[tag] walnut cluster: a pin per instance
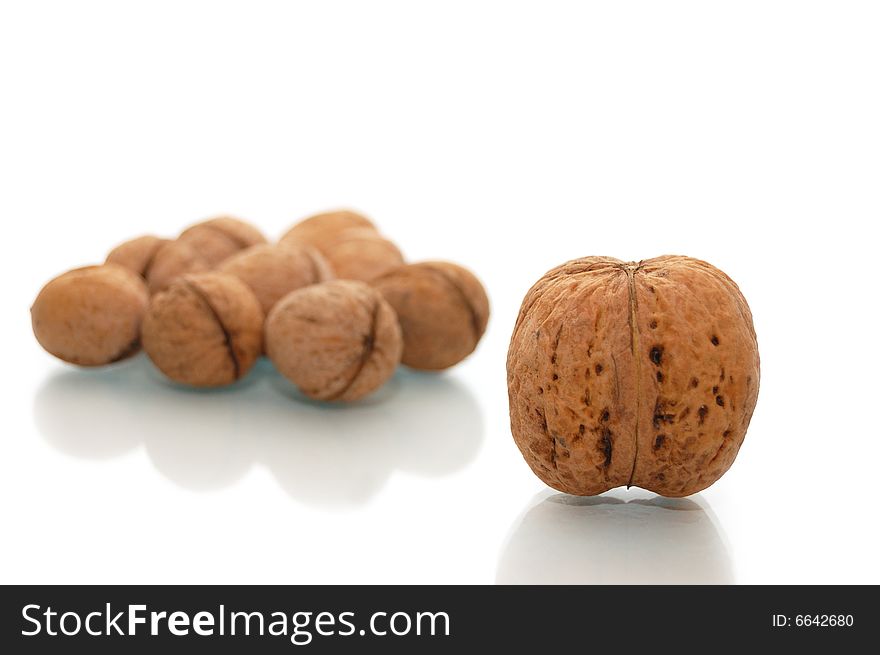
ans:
(332, 304)
(639, 374)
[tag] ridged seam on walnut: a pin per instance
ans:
(227, 337)
(635, 348)
(460, 294)
(369, 346)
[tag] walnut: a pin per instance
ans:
(218, 238)
(137, 254)
(172, 260)
(199, 248)
(273, 271)
(321, 229)
(640, 374)
(336, 341)
(443, 312)
(349, 242)
(361, 254)
(91, 316)
(205, 330)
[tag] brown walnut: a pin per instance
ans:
(320, 229)
(91, 316)
(137, 254)
(205, 330)
(336, 341)
(640, 374)
(350, 242)
(172, 260)
(443, 312)
(361, 254)
(221, 237)
(273, 271)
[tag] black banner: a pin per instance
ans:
(429, 619)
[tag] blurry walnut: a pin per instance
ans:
(640, 374)
(91, 316)
(321, 229)
(336, 341)
(349, 242)
(443, 312)
(205, 330)
(219, 238)
(137, 254)
(274, 271)
(361, 254)
(172, 260)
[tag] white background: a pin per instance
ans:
(506, 136)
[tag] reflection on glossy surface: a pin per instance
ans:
(207, 439)
(604, 539)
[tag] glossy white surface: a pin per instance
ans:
(508, 137)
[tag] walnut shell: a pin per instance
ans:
(205, 330)
(274, 271)
(443, 312)
(221, 237)
(320, 229)
(640, 374)
(137, 254)
(91, 316)
(349, 242)
(336, 341)
(172, 260)
(361, 254)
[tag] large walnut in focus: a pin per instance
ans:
(640, 374)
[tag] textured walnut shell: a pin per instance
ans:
(205, 330)
(137, 254)
(443, 311)
(336, 341)
(320, 230)
(639, 374)
(221, 237)
(91, 316)
(172, 260)
(274, 271)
